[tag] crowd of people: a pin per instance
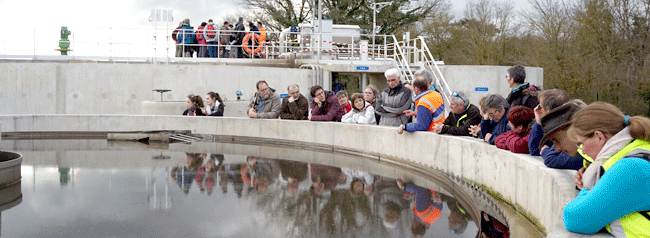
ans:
(568, 134)
(225, 41)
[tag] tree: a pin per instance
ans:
(280, 14)
(400, 13)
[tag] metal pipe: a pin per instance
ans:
(320, 28)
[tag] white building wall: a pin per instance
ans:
(106, 88)
(109, 88)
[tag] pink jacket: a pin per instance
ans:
(512, 141)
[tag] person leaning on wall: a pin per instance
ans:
(265, 103)
(463, 115)
(295, 106)
(615, 191)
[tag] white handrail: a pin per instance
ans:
(432, 63)
(403, 62)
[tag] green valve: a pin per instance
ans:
(64, 43)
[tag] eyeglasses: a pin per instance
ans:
(492, 114)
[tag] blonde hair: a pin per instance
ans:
(481, 104)
(608, 119)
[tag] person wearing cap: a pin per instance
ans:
(562, 154)
(615, 191)
(463, 115)
(427, 207)
(548, 100)
(429, 107)
(516, 140)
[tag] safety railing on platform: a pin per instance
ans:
(415, 53)
(157, 45)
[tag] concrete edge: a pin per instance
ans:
(515, 176)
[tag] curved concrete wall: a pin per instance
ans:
(522, 180)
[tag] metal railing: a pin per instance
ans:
(156, 45)
(415, 53)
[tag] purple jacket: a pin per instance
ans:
(330, 110)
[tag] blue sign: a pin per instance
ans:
(363, 68)
(283, 95)
(480, 89)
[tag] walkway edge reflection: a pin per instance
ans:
(522, 180)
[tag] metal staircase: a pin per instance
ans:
(412, 55)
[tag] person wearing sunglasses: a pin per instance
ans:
(463, 115)
(616, 193)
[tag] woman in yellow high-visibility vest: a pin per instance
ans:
(616, 187)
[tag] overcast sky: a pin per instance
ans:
(125, 13)
(44, 18)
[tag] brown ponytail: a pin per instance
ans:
(608, 119)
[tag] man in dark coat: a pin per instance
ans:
(294, 106)
(463, 115)
(239, 33)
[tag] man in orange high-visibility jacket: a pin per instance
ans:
(427, 208)
(429, 107)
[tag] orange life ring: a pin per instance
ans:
(258, 46)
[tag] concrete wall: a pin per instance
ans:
(468, 77)
(521, 179)
(104, 88)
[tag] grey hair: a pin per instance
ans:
(187, 20)
(392, 72)
(291, 86)
(581, 104)
(495, 101)
(461, 98)
(425, 74)
(374, 91)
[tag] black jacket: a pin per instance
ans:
(459, 124)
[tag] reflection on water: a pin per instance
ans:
(259, 197)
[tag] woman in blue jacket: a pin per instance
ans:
(616, 187)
